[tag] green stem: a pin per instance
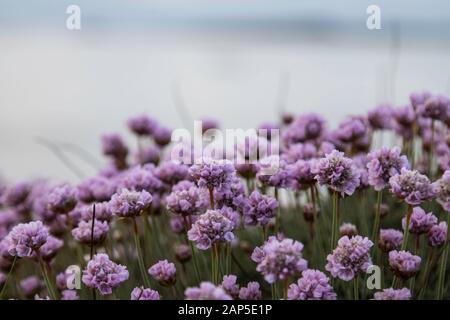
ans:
(334, 224)
(48, 284)
(139, 253)
(430, 160)
(376, 226)
(443, 266)
(426, 273)
(7, 277)
(278, 214)
(187, 221)
(406, 231)
(356, 287)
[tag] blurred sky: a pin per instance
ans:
(227, 59)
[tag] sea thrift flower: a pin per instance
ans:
(186, 199)
(142, 125)
(251, 292)
(404, 119)
(16, 194)
(390, 239)
(83, 232)
(300, 174)
(206, 291)
(96, 189)
(127, 203)
(313, 285)
(183, 253)
(272, 172)
(404, 264)
(393, 294)
(50, 248)
(348, 229)
(113, 145)
(212, 173)
(232, 195)
(435, 108)
(420, 221)
(437, 235)
(141, 293)
(419, 98)
(307, 127)
(171, 172)
(352, 255)
(208, 123)
(103, 274)
(383, 164)
(352, 129)
(411, 186)
(30, 286)
(164, 272)
(442, 187)
(230, 286)
(381, 117)
(26, 238)
(141, 179)
(177, 224)
(102, 212)
(69, 295)
(210, 228)
(337, 173)
(162, 136)
(279, 259)
(151, 154)
(259, 209)
(62, 199)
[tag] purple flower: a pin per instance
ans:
(183, 253)
(352, 129)
(442, 187)
(272, 172)
(210, 228)
(96, 189)
(279, 259)
(348, 229)
(251, 292)
(142, 125)
(16, 194)
(383, 164)
(208, 123)
(404, 119)
(103, 274)
(164, 272)
(404, 264)
(300, 174)
(411, 186)
(30, 286)
(436, 108)
(437, 235)
(177, 224)
(141, 179)
(186, 199)
(299, 151)
(307, 127)
(418, 98)
(381, 117)
(171, 172)
(151, 154)
(62, 199)
(259, 209)
(102, 212)
(162, 135)
(393, 294)
(232, 195)
(313, 285)
(230, 286)
(49, 249)
(337, 173)
(420, 221)
(390, 239)
(212, 173)
(113, 145)
(127, 203)
(26, 238)
(69, 295)
(352, 255)
(206, 291)
(83, 232)
(141, 293)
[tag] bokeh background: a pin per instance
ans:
(241, 62)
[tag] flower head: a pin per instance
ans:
(186, 199)
(206, 291)
(113, 145)
(251, 292)
(308, 127)
(50, 248)
(83, 232)
(16, 194)
(393, 294)
(411, 186)
(313, 285)
(103, 274)
(383, 164)
(171, 172)
(435, 108)
(259, 209)
(279, 259)
(352, 255)
(128, 203)
(26, 238)
(337, 173)
(420, 221)
(437, 235)
(210, 228)
(62, 199)
(230, 286)
(404, 264)
(164, 272)
(442, 187)
(30, 286)
(69, 295)
(390, 239)
(141, 293)
(142, 125)
(300, 174)
(212, 173)
(381, 117)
